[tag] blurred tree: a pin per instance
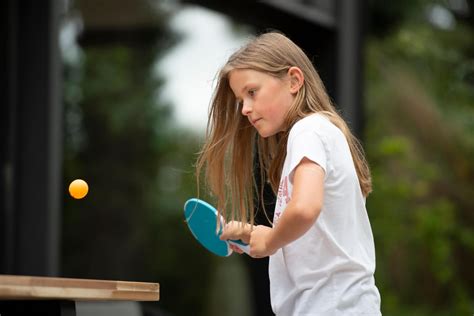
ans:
(120, 138)
(386, 17)
(420, 144)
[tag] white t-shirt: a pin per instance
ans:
(330, 269)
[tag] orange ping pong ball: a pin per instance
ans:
(78, 188)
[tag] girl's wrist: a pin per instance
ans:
(272, 242)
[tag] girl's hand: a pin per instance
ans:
(236, 249)
(236, 230)
(260, 245)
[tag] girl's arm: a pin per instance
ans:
(300, 213)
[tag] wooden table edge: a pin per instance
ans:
(25, 287)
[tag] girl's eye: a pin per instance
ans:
(252, 92)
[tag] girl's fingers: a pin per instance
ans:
(236, 249)
(232, 230)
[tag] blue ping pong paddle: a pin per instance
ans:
(202, 220)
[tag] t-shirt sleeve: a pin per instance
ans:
(306, 144)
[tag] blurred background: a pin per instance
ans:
(117, 93)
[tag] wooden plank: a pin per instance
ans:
(28, 287)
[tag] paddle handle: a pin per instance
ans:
(241, 245)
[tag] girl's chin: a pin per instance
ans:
(265, 134)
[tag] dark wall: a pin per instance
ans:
(30, 143)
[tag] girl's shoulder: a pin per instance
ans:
(316, 122)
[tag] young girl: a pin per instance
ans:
(321, 249)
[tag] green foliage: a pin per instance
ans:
(420, 144)
(139, 168)
(386, 16)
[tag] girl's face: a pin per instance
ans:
(265, 100)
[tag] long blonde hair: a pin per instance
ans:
(231, 142)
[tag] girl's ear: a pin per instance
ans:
(296, 79)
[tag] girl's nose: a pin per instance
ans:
(246, 109)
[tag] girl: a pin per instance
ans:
(321, 249)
